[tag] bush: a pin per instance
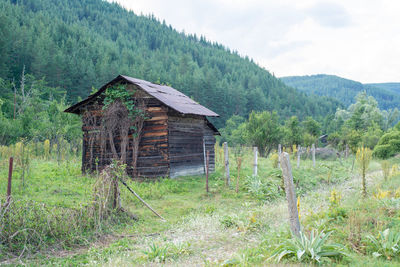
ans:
(261, 190)
(395, 144)
(163, 253)
(229, 221)
(383, 151)
(387, 244)
(388, 145)
(308, 249)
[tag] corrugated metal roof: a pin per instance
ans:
(172, 98)
(166, 94)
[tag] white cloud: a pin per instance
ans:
(356, 39)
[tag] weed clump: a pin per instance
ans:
(364, 156)
(314, 248)
(274, 160)
(167, 252)
(386, 244)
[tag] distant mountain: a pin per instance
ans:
(394, 87)
(344, 90)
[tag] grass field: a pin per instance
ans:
(219, 228)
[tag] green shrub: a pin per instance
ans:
(261, 190)
(308, 249)
(156, 253)
(229, 221)
(337, 213)
(163, 253)
(395, 144)
(383, 151)
(388, 145)
(387, 244)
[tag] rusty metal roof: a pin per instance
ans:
(166, 94)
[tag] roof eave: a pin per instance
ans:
(75, 108)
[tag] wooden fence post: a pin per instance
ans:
(204, 155)
(298, 156)
(207, 169)
(239, 164)
(255, 161)
(279, 155)
(10, 171)
(226, 156)
(313, 154)
(347, 151)
(290, 194)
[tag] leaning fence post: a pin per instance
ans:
(298, 156)
(207, 168)
(255, 161)
(313, 154)
(10, 171)
(226, 155)
(290, 194)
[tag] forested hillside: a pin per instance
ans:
(394, 87)
(76, 45)
(344, 90)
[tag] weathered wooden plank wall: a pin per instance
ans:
(185, 145)
(153, 158)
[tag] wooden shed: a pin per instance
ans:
(175, 136)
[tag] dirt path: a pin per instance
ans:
(213, 244)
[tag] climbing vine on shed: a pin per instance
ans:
(127, 98)
(122, 119)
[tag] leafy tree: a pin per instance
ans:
(240, 135)
(364, 113)
(293, 131)
(334, 139)
(391, 116)
(231, 124)
(309, 139)
(352, 138)
(264, 131)
(372, 136)
(311, 126)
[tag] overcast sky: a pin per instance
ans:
(355, 39)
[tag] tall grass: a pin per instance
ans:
(28, 226)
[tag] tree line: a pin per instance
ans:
(361, 124)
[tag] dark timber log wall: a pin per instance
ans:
(153, 150)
